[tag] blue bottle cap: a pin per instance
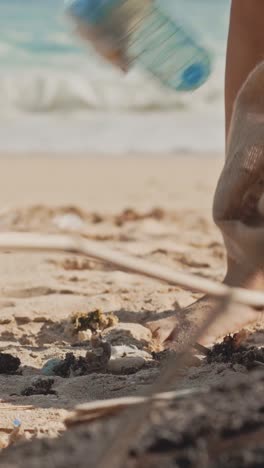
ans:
(16, 422)
(194, 76)
(89, 11)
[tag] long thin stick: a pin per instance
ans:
(65, 243)
(101, 408)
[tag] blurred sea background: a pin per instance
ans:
(58, 96)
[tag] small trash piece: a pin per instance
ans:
(69, 222)
(136, 32)
(95, 360)
(72, 366)
(121, 351)
(49, 366)
(16, 423)
(85, 335)
(8, 364)
(126, 365)
(65, 367)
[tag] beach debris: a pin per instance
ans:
(116, 448)
(39, 386)
(88, 412)
(68, 222)
(16, 422)
(122, 351)
(231, 350)
(8, 364)
(127, 215)
(95, 360)
(95, 321)
(76, 264)
(127, 359)
(130, 334)
(85, 335)
(49, 367)
(130, 214)
(126, 365)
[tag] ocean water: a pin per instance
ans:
(57, 95)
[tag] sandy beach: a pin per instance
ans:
(122, 342)
(157, 208)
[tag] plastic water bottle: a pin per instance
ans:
(128, 32)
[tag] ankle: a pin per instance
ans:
(239, 275)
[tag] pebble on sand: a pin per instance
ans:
(125, 365)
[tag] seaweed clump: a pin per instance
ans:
(232, 350)
(95, 360)
(8, 364)
(94, 321)
(39, 386)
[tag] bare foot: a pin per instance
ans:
(177, 329)
(239, 213)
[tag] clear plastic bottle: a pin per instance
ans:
(128, 32)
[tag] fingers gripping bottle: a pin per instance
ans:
(130, 32)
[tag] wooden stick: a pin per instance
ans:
(78, 245)
(91, 411)
(117, 403)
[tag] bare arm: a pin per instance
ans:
(245, 47)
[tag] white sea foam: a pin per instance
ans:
(50, 90)
(55, 112)
(115, 133)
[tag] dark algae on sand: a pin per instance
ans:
(233, 350)
(223, 428)
(8, 364)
